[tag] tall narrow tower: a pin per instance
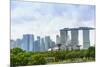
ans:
(86, 36)
(47, 42)
(64, 36)
(86, 39)
(57, 39)
(74, 38)
(27, 42)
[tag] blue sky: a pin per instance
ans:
(43, 19)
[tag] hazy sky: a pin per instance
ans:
(42, 19)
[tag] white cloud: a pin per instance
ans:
(43, 19)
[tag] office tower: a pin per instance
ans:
(50, 46)
(31, 43)
(53, 44)
(57, 39)
(86, 36)
(47, 42)
(74, 44)
(28, 42)
(64, 36)
(42, 45)
(74, 38)
(36, 46)
(18, 43)
(12, 44)
(86, 40)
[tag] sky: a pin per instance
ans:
(46, 19)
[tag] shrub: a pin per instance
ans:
(37, 60)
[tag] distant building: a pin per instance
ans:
(74, 43)
(74, 38)
(53, 44)
(62, 42)
(64, 38)
(86, 36)
(86, 39)
(15, 43)
(19, 43)
(36, 46)
(42, 45)
(28, 42)
(12, 44)
(47, 42)
(58, 39)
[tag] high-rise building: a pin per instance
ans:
(31, 43)
(53, 44)
(58, 39)
(47, 42)
(28, 42)
(64, 36)
(86, 36)
(18, 43)
(36, 46)
(86, 39)
(74, 38)
(74, 44)
(12, 44)
(42, 44)
(38, 40)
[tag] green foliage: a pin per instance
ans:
(37, 60)
(22, 58)
(59, 55)
(92, 52)
(16, 51)
(19, 59)
(92, 48)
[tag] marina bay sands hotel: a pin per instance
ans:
(74, 42)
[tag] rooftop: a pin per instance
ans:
(79, 28)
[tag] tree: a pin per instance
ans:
(91, 48)
(59, 45)
(91, 52)
(37, 60)
(16, 51)
(17, 57)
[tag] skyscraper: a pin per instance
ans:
(86, 39)
(31, 42)
(58, 39)
(38, 45)
(74, 44)
(86, 36)
(53, 44)
(12, 44)
(28, 42)
(64, 36)
(74, 38)
(47, 42)
(42, 44)
(19, 43)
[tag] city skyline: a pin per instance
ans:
(29, 43)
(46, 19)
